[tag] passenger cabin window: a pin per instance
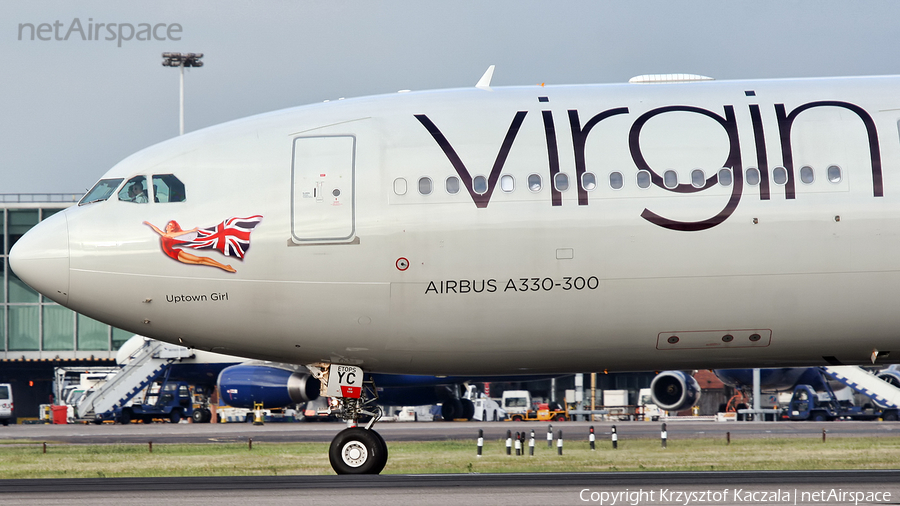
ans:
(452, 185)
(753, 176)
(616, 182)
(561, 181)
(834, 174)
(479, 184)
(806, 174)
(167, 188)
(588, 181)
(507, 183)
(135, 191)
(534, 182)
(779, 175)
(698, 178)
(724, 177)
(670, 179)
(425, 185)
(101, 191)
(643, 179)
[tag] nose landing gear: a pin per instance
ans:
(355, 450)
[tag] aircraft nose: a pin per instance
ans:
(41, 258)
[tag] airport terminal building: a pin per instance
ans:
(38, 334)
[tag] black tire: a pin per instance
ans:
(126, 416)
(517, 418)
(561, 418)
(451, 410)
(818, 416)
(249, 417)
(207, 415)
(197, 416)
(890, 416)
(357, 451)
(175, 416)
(484, 416)
(496, 416)
(384, 454)
(468, 409)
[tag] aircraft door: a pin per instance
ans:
(322, 175)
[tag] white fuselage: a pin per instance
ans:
(351, 263)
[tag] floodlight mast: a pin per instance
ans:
(181, 61)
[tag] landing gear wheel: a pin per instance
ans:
(451, 410)
(357, 451)
(468, 409)
(384, 454)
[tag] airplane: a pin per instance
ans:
(679, 390)
(672, 222)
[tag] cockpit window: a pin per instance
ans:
(101, 191)
(167, 188)
(135, 190)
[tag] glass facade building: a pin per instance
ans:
(33, 327)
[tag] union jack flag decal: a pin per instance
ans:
(231, 237)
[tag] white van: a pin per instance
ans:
(7, 413)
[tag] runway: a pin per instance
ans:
(765, 487)
(434, 431)
(650, 488)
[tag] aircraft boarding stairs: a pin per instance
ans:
(881, 392)
(142, 367)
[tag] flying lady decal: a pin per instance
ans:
(230, 238)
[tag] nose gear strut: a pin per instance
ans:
(354, 450)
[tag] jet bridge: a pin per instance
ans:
(142, 367)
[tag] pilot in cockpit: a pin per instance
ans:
(137, 193)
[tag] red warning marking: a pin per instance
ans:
(402, 264)
(352, 392)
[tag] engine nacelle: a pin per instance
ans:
(243, 385)
(675, 390)
(891, 376)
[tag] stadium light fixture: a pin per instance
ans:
(181, 61)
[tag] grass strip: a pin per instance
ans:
(267, 459)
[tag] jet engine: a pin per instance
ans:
(243, 385)
(675, 390)
(890, 375)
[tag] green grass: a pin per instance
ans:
(267, 459)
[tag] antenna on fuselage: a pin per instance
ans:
(485, 82)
